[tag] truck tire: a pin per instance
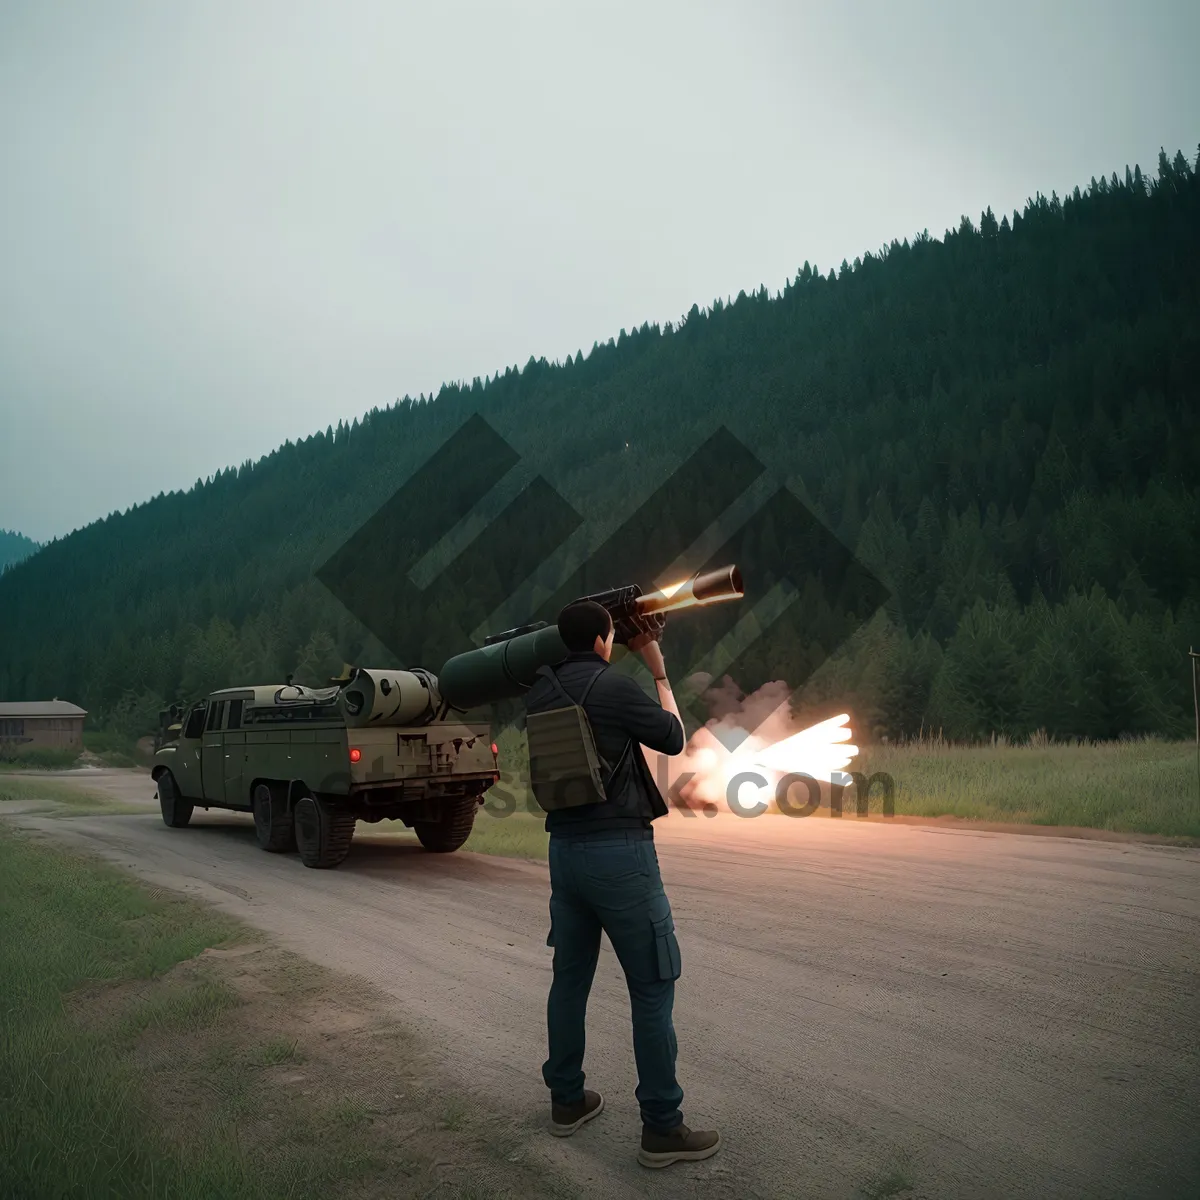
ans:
(323, 832)
(273, 824)
(176, 811)
(446, 835)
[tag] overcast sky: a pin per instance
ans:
(223, 225)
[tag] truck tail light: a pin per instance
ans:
(355, 754)
(495, 749)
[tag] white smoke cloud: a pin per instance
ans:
(728, 745)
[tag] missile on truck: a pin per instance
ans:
(309, 763)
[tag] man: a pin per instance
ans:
(604, 876)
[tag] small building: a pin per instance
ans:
(29, 724)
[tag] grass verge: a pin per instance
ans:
(152, 1047)
(58, 799)
(519, 835)
(1143, 786)
(515, 835)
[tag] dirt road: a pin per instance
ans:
(865, 1009)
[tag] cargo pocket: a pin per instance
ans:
(666, 947)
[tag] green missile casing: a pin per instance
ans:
(501, 670)
(506, 665)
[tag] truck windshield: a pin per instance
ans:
(195, 722)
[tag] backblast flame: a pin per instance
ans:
(708, 771)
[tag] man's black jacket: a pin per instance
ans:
(623, 718)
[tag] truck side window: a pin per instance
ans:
(215, 712)
(235, 715)
(195, 723)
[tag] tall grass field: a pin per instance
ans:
(1139, 786)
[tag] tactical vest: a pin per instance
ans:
(565, 768)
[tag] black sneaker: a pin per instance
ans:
(566, 1118)
(680, 1144)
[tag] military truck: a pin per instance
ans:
(309, 763)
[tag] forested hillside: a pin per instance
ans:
(14, 547)
(1004, 423)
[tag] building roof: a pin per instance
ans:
(41, 708)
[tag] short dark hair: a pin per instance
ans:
(582, 622)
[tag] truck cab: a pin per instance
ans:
(208, 757)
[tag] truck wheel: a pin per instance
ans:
(446, 835)
(273, 823)
(176, 811)
(323, 833)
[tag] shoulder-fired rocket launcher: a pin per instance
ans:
(506, 665)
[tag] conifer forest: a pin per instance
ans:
(1003, 424)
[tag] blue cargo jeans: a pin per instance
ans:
(611, 882)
